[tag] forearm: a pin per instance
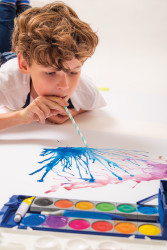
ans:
(40, 109)
(12, 119)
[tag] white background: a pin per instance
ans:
(131, 60)
(132, 51)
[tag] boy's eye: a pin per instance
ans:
(50, 73)
(73, 73)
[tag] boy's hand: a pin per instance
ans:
(61, 118)
(43, 107)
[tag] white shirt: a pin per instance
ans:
(15, 86)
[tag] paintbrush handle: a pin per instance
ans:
(85, 214)
(76, 126)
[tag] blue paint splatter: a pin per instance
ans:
(81, 158)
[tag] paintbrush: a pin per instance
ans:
(85, 214)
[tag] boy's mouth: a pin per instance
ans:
(65, 97)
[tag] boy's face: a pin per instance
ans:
(47, 82)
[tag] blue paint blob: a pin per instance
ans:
(147, 209)
(63, 160)
(33, 220)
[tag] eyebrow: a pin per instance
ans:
(77, 67)
(52, 69)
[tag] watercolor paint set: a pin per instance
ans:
(106, 210)
(88, 217)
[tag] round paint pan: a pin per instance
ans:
(56, 221)
(149, 229)
(126, 227)
(43, 202)
(147, 210)
(126, 208)
(64, 204)
(102, 226)
(79, 224)
(33, 220)
(105, 206)
(84, 205)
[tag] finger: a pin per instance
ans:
(49, 103)
(54, 112)
(57, 119)
(59, 100)
(37, 112)
(46, 110)
(62, 118)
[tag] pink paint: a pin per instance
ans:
(102, 168)
(79, 224)
(53, 189)
(147, 170)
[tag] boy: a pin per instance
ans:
(51, 44)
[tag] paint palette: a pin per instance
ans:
(129, 211)
(19, 239)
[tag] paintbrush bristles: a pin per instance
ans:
(76, 126)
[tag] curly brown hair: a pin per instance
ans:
(53, 34)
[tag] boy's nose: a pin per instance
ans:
(63, 82)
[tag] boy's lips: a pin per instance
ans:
(65, 97)
(61, 96)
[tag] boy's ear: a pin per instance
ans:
(23, 66)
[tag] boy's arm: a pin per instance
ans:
(40, 109)
(8, 120)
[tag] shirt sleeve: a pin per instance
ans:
(14, 86)
(87, 96)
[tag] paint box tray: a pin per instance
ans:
(19, 239)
